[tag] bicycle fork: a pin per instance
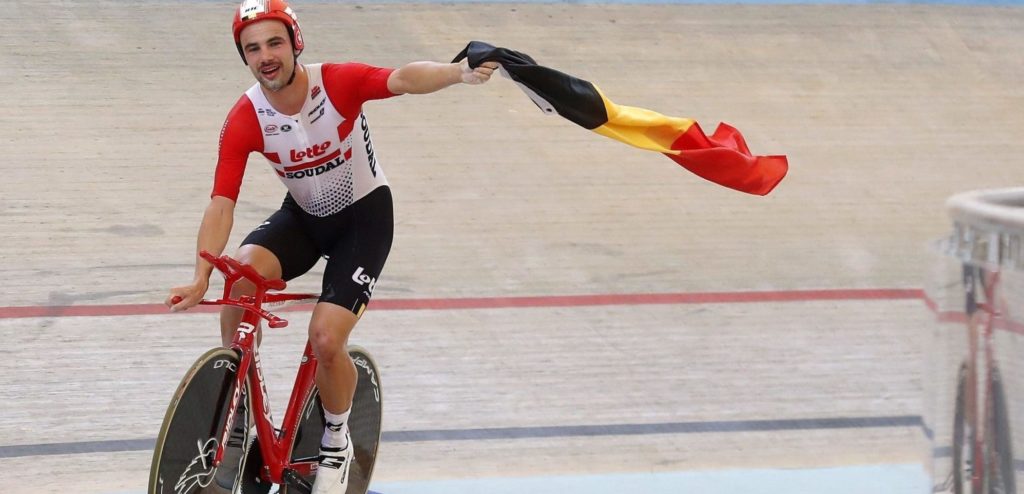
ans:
(275, 445)
(244, 343)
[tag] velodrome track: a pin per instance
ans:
(636, 352)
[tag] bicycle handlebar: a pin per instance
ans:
(233, 270)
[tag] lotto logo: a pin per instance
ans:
(364, 279)
(310, 152)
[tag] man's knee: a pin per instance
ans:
(328, 332)
(261, 259)
(329, 342)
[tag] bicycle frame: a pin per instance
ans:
(981, 326)
(275, 445)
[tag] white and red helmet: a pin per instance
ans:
(251, 11)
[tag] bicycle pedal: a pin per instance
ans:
(296, 482)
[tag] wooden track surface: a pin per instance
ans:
(111, 118)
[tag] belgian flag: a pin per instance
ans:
(722, 158)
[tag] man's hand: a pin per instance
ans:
(190, 295)
(478, 75)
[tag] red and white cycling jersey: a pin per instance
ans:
(323, 154)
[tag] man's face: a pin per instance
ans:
(268, 50)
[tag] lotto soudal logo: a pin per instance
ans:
(310, 152)
(314, 170)
(318, 166)
(315, 92)
(364, 280)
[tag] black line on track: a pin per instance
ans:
(509, 433)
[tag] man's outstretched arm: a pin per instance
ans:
(427, 77)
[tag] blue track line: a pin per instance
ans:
(513, 433)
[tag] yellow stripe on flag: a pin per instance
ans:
(642, 128)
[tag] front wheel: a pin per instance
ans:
(192, 427)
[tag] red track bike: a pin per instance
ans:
(218, 435)
(983, 460)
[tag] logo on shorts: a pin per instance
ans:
(364, 280)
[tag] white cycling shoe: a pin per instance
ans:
(332, 473)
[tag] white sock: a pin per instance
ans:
(334, 430)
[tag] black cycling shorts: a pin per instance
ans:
(355, 242)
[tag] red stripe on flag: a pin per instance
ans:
(725, 159)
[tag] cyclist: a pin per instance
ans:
(307, 120)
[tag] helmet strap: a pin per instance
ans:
(295, 68)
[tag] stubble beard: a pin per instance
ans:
(277, 84)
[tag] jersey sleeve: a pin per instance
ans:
(240, 136)
(349, 85)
